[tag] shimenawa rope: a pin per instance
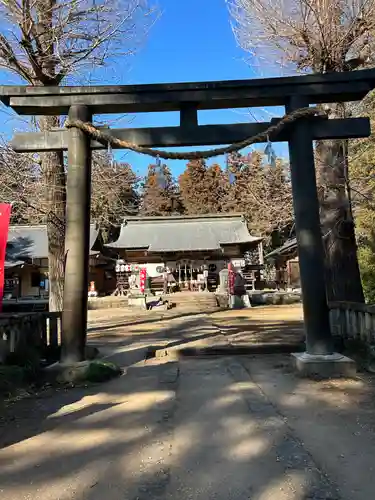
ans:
(107, 139)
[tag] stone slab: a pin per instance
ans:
(137, 302)
(331, 366)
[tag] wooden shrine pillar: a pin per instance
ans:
(260, 253)
(308, 231)
(77, 240)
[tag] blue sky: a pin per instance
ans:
(192, 41)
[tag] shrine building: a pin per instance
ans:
(26, 284)
(186, 246)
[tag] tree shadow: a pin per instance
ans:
(126, 351)
(171, 334)
(112, 326)
(192, 429)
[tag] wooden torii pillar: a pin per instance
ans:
(187, 98)
(77, 240)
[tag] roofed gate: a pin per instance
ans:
(299, 128)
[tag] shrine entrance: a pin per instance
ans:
(299, 127)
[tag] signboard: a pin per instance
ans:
(10, 283)
(238, 263)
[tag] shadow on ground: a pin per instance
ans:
(27, 417)
(197, 429)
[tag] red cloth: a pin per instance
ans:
(5, 210)
(230, 279)
(142, 276)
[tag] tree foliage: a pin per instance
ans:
(202, 188)
(362, 194)
(45, 41)
(21, 186)
(159, 193)
(309, 35)
(248, 185)
(114, 194)
(261, 191)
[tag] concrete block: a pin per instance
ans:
(330, 366)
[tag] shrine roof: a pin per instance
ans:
(183, 233)
(31, 242)
(289, 246)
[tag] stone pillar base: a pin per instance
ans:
(329, 366)
(239, 302)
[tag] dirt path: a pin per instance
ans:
(273, 324)
(224, 428)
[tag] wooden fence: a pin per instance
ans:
(42, 330)
(29, 330)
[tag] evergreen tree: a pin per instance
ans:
(160, 194)
(202, 188)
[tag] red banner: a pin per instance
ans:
(230, 279)
(5, 210)
(142, 279)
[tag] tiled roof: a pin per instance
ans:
(183, 233)
(31, 242)
(288, 246)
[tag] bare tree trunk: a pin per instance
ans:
(55, 195)
(342, 268)
(52, 168)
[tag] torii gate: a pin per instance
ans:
(81, 103)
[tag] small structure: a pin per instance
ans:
(26, 267)
(192, 249)
(284, 260)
